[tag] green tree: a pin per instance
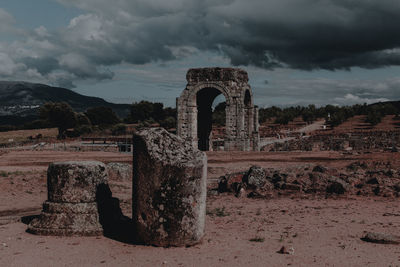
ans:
(218, 116)
(168, 122)
(82, 119)
(102, 116)
(147, 111)
(59, 115)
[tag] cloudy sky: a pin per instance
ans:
(295, 51)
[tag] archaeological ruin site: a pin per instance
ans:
(244, 192)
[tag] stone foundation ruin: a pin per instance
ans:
(194, 109)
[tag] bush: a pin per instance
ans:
(119, 129)
(37, 124)
(83, 129)
(59, 115)
(102, 116)
(6, 128)
(168, 123)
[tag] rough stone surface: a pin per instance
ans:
(337, 186)
(119, 171)
(71, 208)
(169, 189)
(195, 111)
(255, 177)
(74, 181)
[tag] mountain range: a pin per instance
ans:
(20, 101)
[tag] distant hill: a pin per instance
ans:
(19, 101)
(395, 104)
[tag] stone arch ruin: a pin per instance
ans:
(195, 110)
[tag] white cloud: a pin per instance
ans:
(42, 31)
(6, 21)
(7, 66)
(350, 99)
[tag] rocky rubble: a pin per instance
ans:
(358, 178)
(381, 140)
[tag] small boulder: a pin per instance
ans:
(336, 186)
(319, 168)
(372, 181)
(255, 177)
(381, 238)
(229, 182)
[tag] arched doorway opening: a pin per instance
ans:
(204, 101)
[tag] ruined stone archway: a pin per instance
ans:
(194, 108)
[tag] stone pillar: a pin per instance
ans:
(256, 133)
(169, 189)
(179, 117)
(71, 208)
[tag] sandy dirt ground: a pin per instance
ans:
(316, 231)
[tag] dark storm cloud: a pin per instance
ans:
(300, 34)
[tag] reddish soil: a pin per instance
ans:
(239, 231)
(358, 124)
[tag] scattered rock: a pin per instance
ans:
(230, 182)
(258, 194)
(319, 168)
(255, 177)
(376, 190)
(337, 186)
(278, 177)
(381, 238)
(242, 193)
(396, 187)
(293, 187)
(373, 181)
(283, 250)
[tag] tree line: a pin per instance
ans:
(334, 115)
(62, 116)
(145, 113)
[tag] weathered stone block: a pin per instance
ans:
(169, 189)
(71, 208)
(74, 181)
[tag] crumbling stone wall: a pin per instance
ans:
(194, 108)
